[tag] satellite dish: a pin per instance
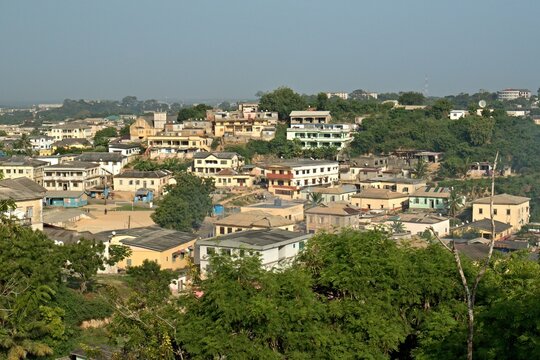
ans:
(482, 103)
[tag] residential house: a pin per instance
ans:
(319, 135)
(332, 216)
(310, 117)
(111, 163)
(251, 221)
(509, 209)
(430, 198)
(73, 176)
(70, 131)
(22, 166)
(171, 249)
(228, 178)
(482, 228)
(330, 194)
(457, 114)
(276, 247)
(41, 144)
(28, 198)
(242, 126)
(287, 178)
(418, 223)
(513, 94)
(288, 209)
(210, 163)
(397, 184)
(129, 150)
(380, 200)
(66, 198)
(133, 180)
(177, 146)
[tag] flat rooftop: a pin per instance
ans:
(256, 239)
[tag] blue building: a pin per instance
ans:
(67, 199)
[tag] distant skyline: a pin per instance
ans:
(179, 50)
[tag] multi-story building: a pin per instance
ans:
(276, 247)
(129, 150)
(319, 135)
(287, 178)
(21, 166)
(509, 209)
(28, 197)
(73, 176)
(332, 216)
(260, 125)
(41, 144)
(417, 224)
(210, 163)
(111, 163)
(513, 94)
(141, 129)
(70, 131)
(132, 180)
(310, 117)
(173, 145)
(330, 194)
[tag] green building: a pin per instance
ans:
(430, 198)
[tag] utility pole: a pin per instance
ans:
(129, 222)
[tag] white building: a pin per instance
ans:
(513, 94)
(111, 163)
(41, 142)
(129, 150)
(457, 114)
(276, 247)
(287, 178)
(72, 176)
(341, 95)
(417, 224)
(319, 135)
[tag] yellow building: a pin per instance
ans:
(259, 126)
(20, 166)
(169, 248)
(141, 129)
(132, 180)
(210, 163)
(28, 197)
(380, 199)
(252, 220)
(177, 146)
(287, 209)
(71, 144)
(483, 229)
(70, 131)
(509, 209)
(332, 217)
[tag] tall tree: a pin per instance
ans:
(411, 98)
(186, 204)
(283, 100)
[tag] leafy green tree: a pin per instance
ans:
(411, 98)
(440, 109)
(455, 202)
(420, 169)
(193, 112)
(315, 199)
(186, 204)
(102, 136)
(283, 100)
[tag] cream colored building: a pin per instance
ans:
(70, 131)
(28, 198)
(288, 209)
(230, 178)
(320, 135)
(133, 180)
(509, 209)
(171, 249)
(310, 117)
(210, 163)
(141, 129)
(177, 146)
(257, 126)
(380, 199)
(73, 176)
(251, 221)
(330, 194)
(19, 166)
(332, 217)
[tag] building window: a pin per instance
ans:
(226, 252)
(229, 230)
(120, 182)
(480, 211)
(301, 245)
(494, 211)
(507, 211)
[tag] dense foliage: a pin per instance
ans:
(174, 165)
(283, 100)
(103, 136)
(193, 112)
(186, 203)
(350, 295)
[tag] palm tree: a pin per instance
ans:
(397, 227)
(315, 199)
(455, 202)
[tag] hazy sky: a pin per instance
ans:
(201, 49)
